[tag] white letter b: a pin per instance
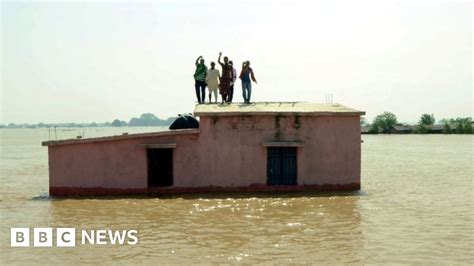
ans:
(20, 237)
(43, 237)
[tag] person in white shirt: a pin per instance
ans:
(212, 80)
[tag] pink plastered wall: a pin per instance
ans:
(117, 163)
(233, 146)
(227, 152)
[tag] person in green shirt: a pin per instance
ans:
(200, 79)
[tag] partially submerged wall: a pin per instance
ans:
(119, 164)
(226, 153)
(236, 156)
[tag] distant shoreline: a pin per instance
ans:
(145, 120)
(108, 126)
(400, 129)
(413, 133)
(77, 127)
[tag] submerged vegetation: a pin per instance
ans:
(387, 123)
(457, 126)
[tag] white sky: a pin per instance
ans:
(84, 62)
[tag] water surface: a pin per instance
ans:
(416, 205)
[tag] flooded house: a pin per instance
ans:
(264, 146)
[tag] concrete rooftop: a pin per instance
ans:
(276, 108)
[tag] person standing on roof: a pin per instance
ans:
(200, 79)
(247, 76)
(234, 77)
(226, 77)
(212, 80)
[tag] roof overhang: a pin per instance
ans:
(122, 137)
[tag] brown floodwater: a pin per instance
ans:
(415, 206)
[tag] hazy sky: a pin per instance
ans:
(97, 61)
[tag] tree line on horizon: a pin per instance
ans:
(384, 123)
(145, 120)
(387, 123)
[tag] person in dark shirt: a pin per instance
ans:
(247, 76)
(226, 78)
(200, 79)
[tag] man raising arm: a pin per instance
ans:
(200, 79)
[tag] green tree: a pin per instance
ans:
(427, 120)
(149, 119)
(457, 126)
(463, 125)
(422, 129)
(468, 125)
(447, 129)
(383, 122)
(373, 130)
(116, 123)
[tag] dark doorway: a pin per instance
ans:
(160, 167)
(281, 166)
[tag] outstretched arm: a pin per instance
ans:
(219, 59)
(197, 60)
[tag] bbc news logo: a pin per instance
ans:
(66, 237)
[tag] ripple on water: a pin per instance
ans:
(414, 208)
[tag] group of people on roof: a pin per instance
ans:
(214, 80)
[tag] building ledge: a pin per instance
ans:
(282, 144)
(121, 137)
(159, 145)
(276, 109)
